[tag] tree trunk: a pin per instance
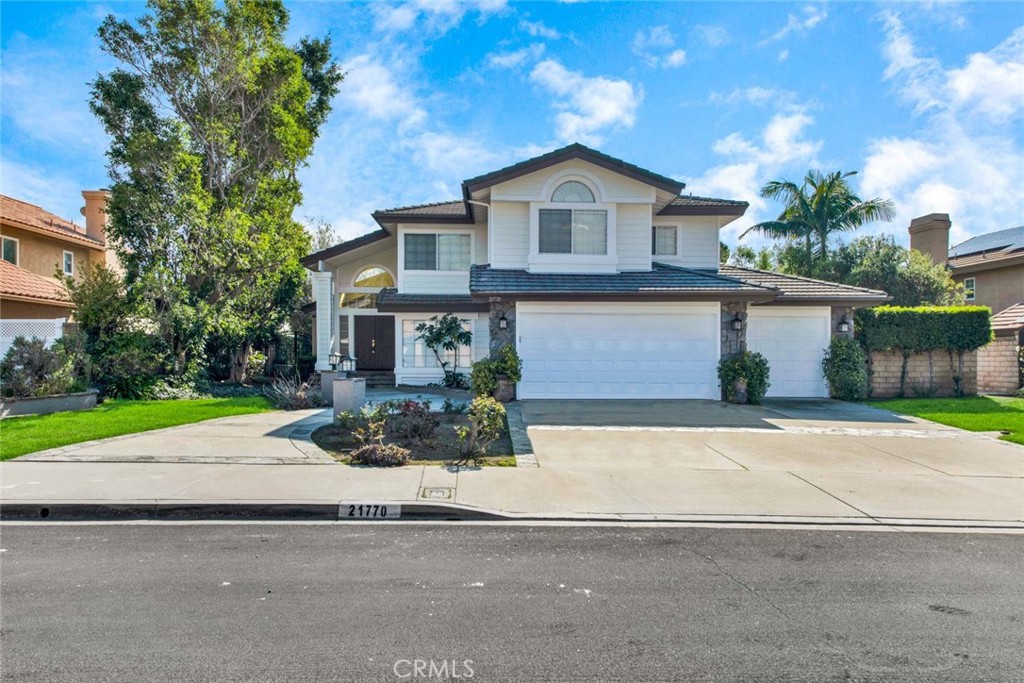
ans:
(238, 364)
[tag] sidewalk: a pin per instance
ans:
(269, 459)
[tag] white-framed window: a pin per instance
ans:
(969, 289)
(665, 241)
(445, 251)
(343, 335)
(572, 231)
(415, 353)
(10, 250)
(69, 263)
(573, 191)
(366, 285)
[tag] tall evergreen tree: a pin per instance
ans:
(210, 115)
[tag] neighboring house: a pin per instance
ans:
(37, 245)
(991, 269)
(604, 277)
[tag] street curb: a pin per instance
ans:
(166, 510)
(332, 511)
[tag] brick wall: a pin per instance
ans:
(997, 367)
(924, 371)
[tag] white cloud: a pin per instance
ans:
(371, 87)
(438, 16)
(51, 189)
(656, 46)
(712, 35)
(783, 55)
(812, 16)
(538, 29)
(780, 150)
(758, 96)
(516, 58)
(965, 157)
(588, 104)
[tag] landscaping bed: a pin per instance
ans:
(973, 413)
(440, 447)
(33, 433)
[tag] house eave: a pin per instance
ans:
(719, 210)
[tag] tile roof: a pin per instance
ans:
(1011, 239)
(454, 207)
(794, 288)
(343, 247)
(1009, 319)
(692, 200)
(389, 300)
(573, 151)
(15, 281)
(661, 280)
(21, 214)
(690, 205)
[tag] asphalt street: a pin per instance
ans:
(348, 602)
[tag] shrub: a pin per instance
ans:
(485, 373)
(451, 409)
(31, 369)
(291, 393)
(845, 367)
(414, 422)
(750, 367)
(129, 365)
(380, 455)
(255, 365)
(486, 424)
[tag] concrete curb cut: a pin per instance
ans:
(332, 511)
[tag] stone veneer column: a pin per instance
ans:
(838, 313)
(500, 337)
(323, 288)
(734, 342)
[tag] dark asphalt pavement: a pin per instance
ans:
(277, 602)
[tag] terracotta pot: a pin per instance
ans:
(506, 390)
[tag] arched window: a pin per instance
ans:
(374, 277)
(573, 191)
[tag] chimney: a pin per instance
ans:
(930, 236)
(95, 213)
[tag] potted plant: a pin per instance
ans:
(498, 376)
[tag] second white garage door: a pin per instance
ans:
(793, 339)
(603, 350)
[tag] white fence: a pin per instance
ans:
(47, 330)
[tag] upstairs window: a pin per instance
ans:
(664, 241)
(969, 288)
(374, 277)
(437, 252)
(69, 263)
(10, 253)
(573, 231)
(573, 191)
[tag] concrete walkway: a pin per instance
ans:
(801, 462)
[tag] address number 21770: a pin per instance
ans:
(370, 511)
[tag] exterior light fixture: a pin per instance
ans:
(348, 365)
(502, 323)
(737, 322)
(844, 325)
(334, 359)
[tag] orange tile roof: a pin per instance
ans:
(21, 214)
(15, 281)
(1009, 319)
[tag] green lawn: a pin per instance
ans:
(974, 413)
(21, 435)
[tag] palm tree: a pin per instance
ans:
(818, 209)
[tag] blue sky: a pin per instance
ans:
(926, 100)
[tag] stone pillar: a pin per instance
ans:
(734, 342)
(323, 291)
(505, 308)
(327, 378)
(349, 394)
(838, 314)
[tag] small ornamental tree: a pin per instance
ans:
(444, 336)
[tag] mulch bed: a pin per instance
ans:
(441, 449)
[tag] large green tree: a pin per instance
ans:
(818, 210)
(210, 115)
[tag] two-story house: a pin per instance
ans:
(604, 277)
(37, 246)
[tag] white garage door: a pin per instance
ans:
(618, 350)
(793, 339)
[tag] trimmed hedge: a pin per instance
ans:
(921, 329)
(924, 328)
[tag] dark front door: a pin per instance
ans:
(375, 342)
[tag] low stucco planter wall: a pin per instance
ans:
(44, 405)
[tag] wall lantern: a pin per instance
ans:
(844, 325)
(502, 323)
(737, 322)
(347, 363)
